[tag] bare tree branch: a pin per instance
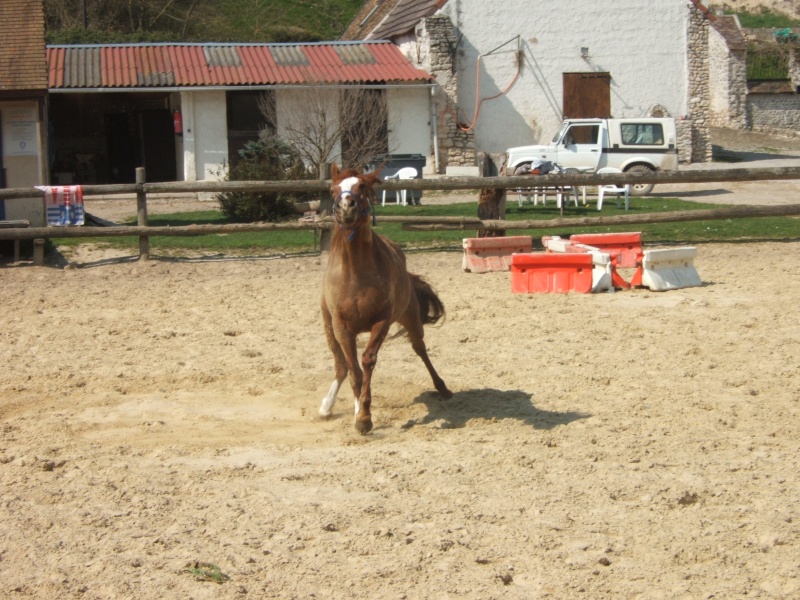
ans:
(327, 124)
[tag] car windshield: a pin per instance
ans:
(559, 133)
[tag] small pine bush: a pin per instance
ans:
(269, 158)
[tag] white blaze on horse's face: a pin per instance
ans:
(347, 202)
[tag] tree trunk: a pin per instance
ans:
(489, 210)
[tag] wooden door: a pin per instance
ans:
(2, 168)
(587, 95)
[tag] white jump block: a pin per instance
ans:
(602, 272)
(670, 269)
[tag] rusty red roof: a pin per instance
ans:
(227, 65)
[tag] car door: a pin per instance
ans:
(580, 147)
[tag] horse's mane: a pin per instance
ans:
(348, 173)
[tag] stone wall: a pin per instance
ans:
(436, 43)
(727, 84)
(699, 95)
(794, 67)
(774, 113)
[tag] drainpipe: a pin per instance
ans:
(435, 127)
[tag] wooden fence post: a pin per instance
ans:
(491, 201)
(141, 212)
(325, 208)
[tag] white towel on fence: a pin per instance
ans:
(64, 205)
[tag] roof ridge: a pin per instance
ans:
(231, 44)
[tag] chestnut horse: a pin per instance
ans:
(366, 289)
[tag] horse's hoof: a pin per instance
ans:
(445, 394)
(364, 427)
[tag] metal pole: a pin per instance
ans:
(141, 210)
(85, 17)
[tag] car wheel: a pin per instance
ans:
(641, 189)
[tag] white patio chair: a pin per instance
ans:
(404, 173)
(612, 189)
(574, 188)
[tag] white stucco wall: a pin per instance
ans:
(642, 45)
(24, 158)
(205, 134)
(409, 120)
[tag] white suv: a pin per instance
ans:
(630, 145)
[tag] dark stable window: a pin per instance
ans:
(248, 113)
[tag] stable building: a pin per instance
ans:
(183, 111)
(23, 107)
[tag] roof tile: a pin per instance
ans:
(22, 61)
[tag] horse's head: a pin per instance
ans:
(353, 195)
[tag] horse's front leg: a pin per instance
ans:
(339, 363)
(368, 361)
(347, 343)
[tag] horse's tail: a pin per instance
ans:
(431, 308)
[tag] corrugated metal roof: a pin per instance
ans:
(227, 65)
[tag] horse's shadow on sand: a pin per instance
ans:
(488, 404)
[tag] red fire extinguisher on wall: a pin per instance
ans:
(177, 122)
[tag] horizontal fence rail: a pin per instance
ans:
(410, 223)
(417, 223)
(436, 183)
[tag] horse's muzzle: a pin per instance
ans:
(347, 210)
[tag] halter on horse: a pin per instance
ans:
(366, 289)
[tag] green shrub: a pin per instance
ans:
(267, 159)
(767, 62)
(764, 17)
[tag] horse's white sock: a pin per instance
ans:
(328, 401)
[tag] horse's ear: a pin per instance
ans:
(334, 171)
(374, 175)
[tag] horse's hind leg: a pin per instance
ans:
(416, 335)
(339, 362)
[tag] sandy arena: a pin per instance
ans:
(636, 444)
(156, 416)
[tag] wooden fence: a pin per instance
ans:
(142, 189)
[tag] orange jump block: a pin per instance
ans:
(482, 255)
(548, 272)
(625, 248)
